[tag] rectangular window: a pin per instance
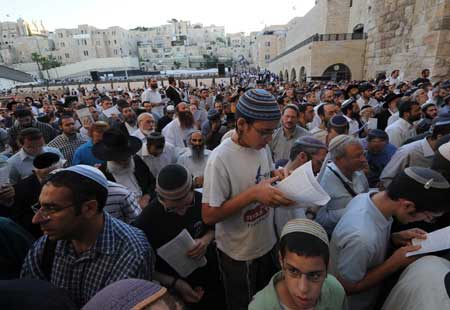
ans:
(86, 53)
(267, 43)
(67, 55)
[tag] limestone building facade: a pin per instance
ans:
(358, 39)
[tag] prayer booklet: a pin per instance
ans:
(302, 187)
(84, 114)
(112, 110)
(437, 240)
(174, 253)
(372, 123)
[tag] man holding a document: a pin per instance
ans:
(361, 239)
(238, 195)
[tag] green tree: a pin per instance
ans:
(37, 59)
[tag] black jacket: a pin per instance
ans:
(173, 95)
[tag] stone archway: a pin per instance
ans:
(293, 74)
(281, 74)
(338, 72)
(286, 76)
(302, 74)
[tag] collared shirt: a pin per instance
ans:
(130, 129)
(320, 134)
(281, 145)
(400, 131)
(197, 168)
(139, 134)
(153, 96)
(176, 135)
(377, 162)
(360, 243)
(418, 153)
(353, 125)
(328, 216)
(155, 164)
(120, 252)
(21, 163)
(83, 155)
(67, 145)
(121, 203)
(394, 116)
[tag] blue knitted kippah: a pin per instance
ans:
(259, 104)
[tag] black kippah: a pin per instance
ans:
(45, 160)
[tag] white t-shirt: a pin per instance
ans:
(230, 170)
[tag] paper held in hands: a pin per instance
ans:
(302, 187)
(174, 253)
(112, 110)
(437, 240)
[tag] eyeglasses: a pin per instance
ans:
(264, 133)
(315, 276)
(47, 211)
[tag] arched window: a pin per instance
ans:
(338, 72)
(293, 74)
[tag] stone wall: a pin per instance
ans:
(338, 12)
(409, 35)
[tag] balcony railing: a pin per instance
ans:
(323, 37)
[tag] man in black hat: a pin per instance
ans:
(178, 207)
(419, 153)
(123, 166)
(389, 108)
(360, 241)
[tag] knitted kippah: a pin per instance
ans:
(173, 182)
(310, 142)
(338, 121)
(306, 226)
(259, 104)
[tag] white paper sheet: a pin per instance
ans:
(372, 123)
(302, 187)
(112, 110)
(84, 114)
(174, 253)
(437, 240)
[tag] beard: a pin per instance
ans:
(186, 119)
(115, 168)
(198, 152)
(132, 119)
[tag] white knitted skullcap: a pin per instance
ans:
(306, 226)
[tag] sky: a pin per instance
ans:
(235, 15)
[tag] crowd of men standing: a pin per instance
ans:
(94, 182)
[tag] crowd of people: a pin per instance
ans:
(94, 183)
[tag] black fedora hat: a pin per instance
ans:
(116, 145)
(389, 98)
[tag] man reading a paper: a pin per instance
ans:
(175, 210)
(238, 195)
(360, 241)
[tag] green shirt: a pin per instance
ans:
(332, 296)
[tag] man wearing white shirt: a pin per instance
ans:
(157, 153)
(178, 130)
(146, 125)
(153, 96)
(365, 90)
(403, 128)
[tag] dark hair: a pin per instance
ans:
(23, 113)
(321, 108)
(63, 117)
(105, 98)
(29, 134)
(341, 130)
(304, 244)
(122, 104)
(82, 188)
(425, 70)
(292, 107)
(171, 79)
(404, 187)
(441, 130)
(304, 106)
(405, 106)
